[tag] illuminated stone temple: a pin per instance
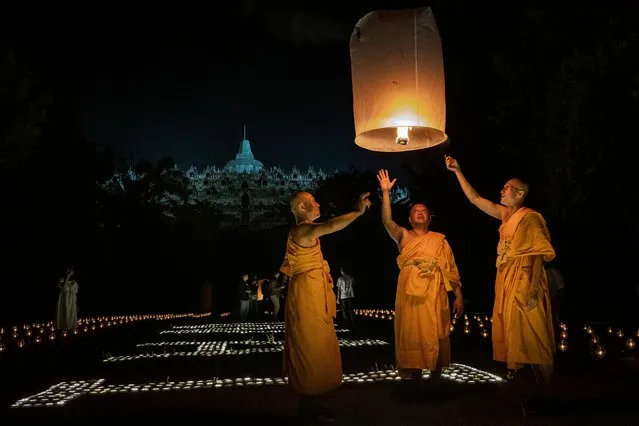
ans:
(245, 193)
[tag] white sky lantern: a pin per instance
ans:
(397, 69)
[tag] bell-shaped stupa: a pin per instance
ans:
(244, 161)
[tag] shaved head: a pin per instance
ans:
(514, 192)
(297, 198)
(304, 207)
(419, 216)
(520, 184)
(419, 206)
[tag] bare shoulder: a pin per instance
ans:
(303, 234)
(405, 237)
(503, 212)
(492, 209)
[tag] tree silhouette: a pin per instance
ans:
(567, 113)
(23, 111)
(338, 193)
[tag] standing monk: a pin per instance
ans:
(522, 320)
(312, 359)
(427, 271)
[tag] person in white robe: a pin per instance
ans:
(67, 313)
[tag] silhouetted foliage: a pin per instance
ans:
(557, 109)
(23, 111)
(339, 193)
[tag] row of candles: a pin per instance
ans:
(20, 336)
(62, 393)
(233, 328)
(165, 350)
(384, 314)
(595, 342)
(597, 347)
(389, 314)
(40, 332)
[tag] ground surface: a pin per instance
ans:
(182, 379)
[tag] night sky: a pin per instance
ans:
(539, 93)
(181, 80)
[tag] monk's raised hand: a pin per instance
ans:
(363, 203)
(451, 163)
(385, 184)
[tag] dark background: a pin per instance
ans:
(546, 94)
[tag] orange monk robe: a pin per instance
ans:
(312, 359)
(260, 293)
(522, 336)
(422, 312)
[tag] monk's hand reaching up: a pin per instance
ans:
(452, 164)
(385, 184)
(363, 203)
(458, 307)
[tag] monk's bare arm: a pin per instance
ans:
(493, 209)
(456, 288)
(306, 233)
(394, 230)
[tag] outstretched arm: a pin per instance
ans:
(394, 230)
(306, 234)
(487, 206)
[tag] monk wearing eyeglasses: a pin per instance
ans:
(522, 319)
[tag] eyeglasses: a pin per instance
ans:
(513, 187)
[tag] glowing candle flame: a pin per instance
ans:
(402, 136)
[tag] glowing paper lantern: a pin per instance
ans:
(397, 69)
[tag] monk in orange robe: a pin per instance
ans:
(427, 271)
(312, 359)
(522, 319)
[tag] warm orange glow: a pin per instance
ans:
(422, 312)
(30, 330)
(312, 357)
(523, 336)
(397, 69)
